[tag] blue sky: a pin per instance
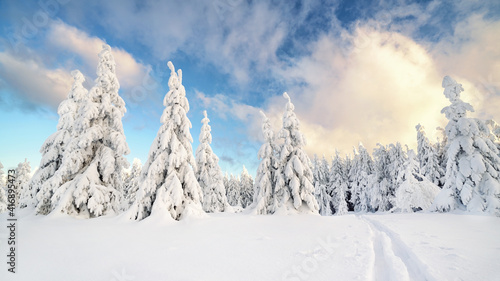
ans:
(357, 71)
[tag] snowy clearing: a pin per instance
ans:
(417, 246)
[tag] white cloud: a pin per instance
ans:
(68, 38)
(31, 81)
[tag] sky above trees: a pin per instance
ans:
(357, 71)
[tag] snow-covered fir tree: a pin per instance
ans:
(379, 181)
(264, 180)
(339, 178)
(416, 192)
(233, 192)
(3, 193)
(428, 158)
(362, 168)
(168, 183)
(246, 188)
(208, 173)
(294, 189)
(397, 160)
(473, 166)
(321, 176)
(131, 184)
(93, 161)
(53, 148)
(23, 176)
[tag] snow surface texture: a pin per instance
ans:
(227, 246)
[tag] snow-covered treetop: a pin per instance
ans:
(458, 108)
(267, 131)
(290, 131)
(205, 135)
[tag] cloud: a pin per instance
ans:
(33, 82)
(70, 39)
(225, 107)
(472, 56)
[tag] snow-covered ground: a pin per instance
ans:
(244, 247)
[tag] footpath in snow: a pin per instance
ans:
(245, 247)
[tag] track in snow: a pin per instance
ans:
(393, 259)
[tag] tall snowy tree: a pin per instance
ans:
(416, 192)
(233, 191)
(379, 182)
(168, 183)
(208, 172)
(294, 188)
(321, 172)
(397, 160)
(428, 158)
(23, 176)
(246, 189)
(473, 167)
(339, 178)
(131, 184)
(93, 161)
(53, 148)
(264, 180)
(362, 168)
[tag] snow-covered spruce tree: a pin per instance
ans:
(338, 180)
(93, 161)
(53, 148)
(294, 188)
(362, 168)
(321, 172)
(397, 160)
(428, 158)
(473, 166)
(3, 193)
(168, 183)
(264, 180)
(380, 180)
(233, 192)
(131, 184)
(208, 173)
(246, 189)
(23, 176)
(416, 192)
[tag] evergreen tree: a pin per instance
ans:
(208, 172)
(23, 177)
(264, 180)
(294, 187)
(94, 159)
(379, 181)
(246, 188)
(473, 167)
(416, 192)
(339, 178)
(131, 184)
(321, 174)
(39, 193)
(397, 160)
(168, 183)
(233, 191)
(428, 158)
(362, 168)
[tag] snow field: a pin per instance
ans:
(244, 247)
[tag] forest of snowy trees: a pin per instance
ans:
(84, 173)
